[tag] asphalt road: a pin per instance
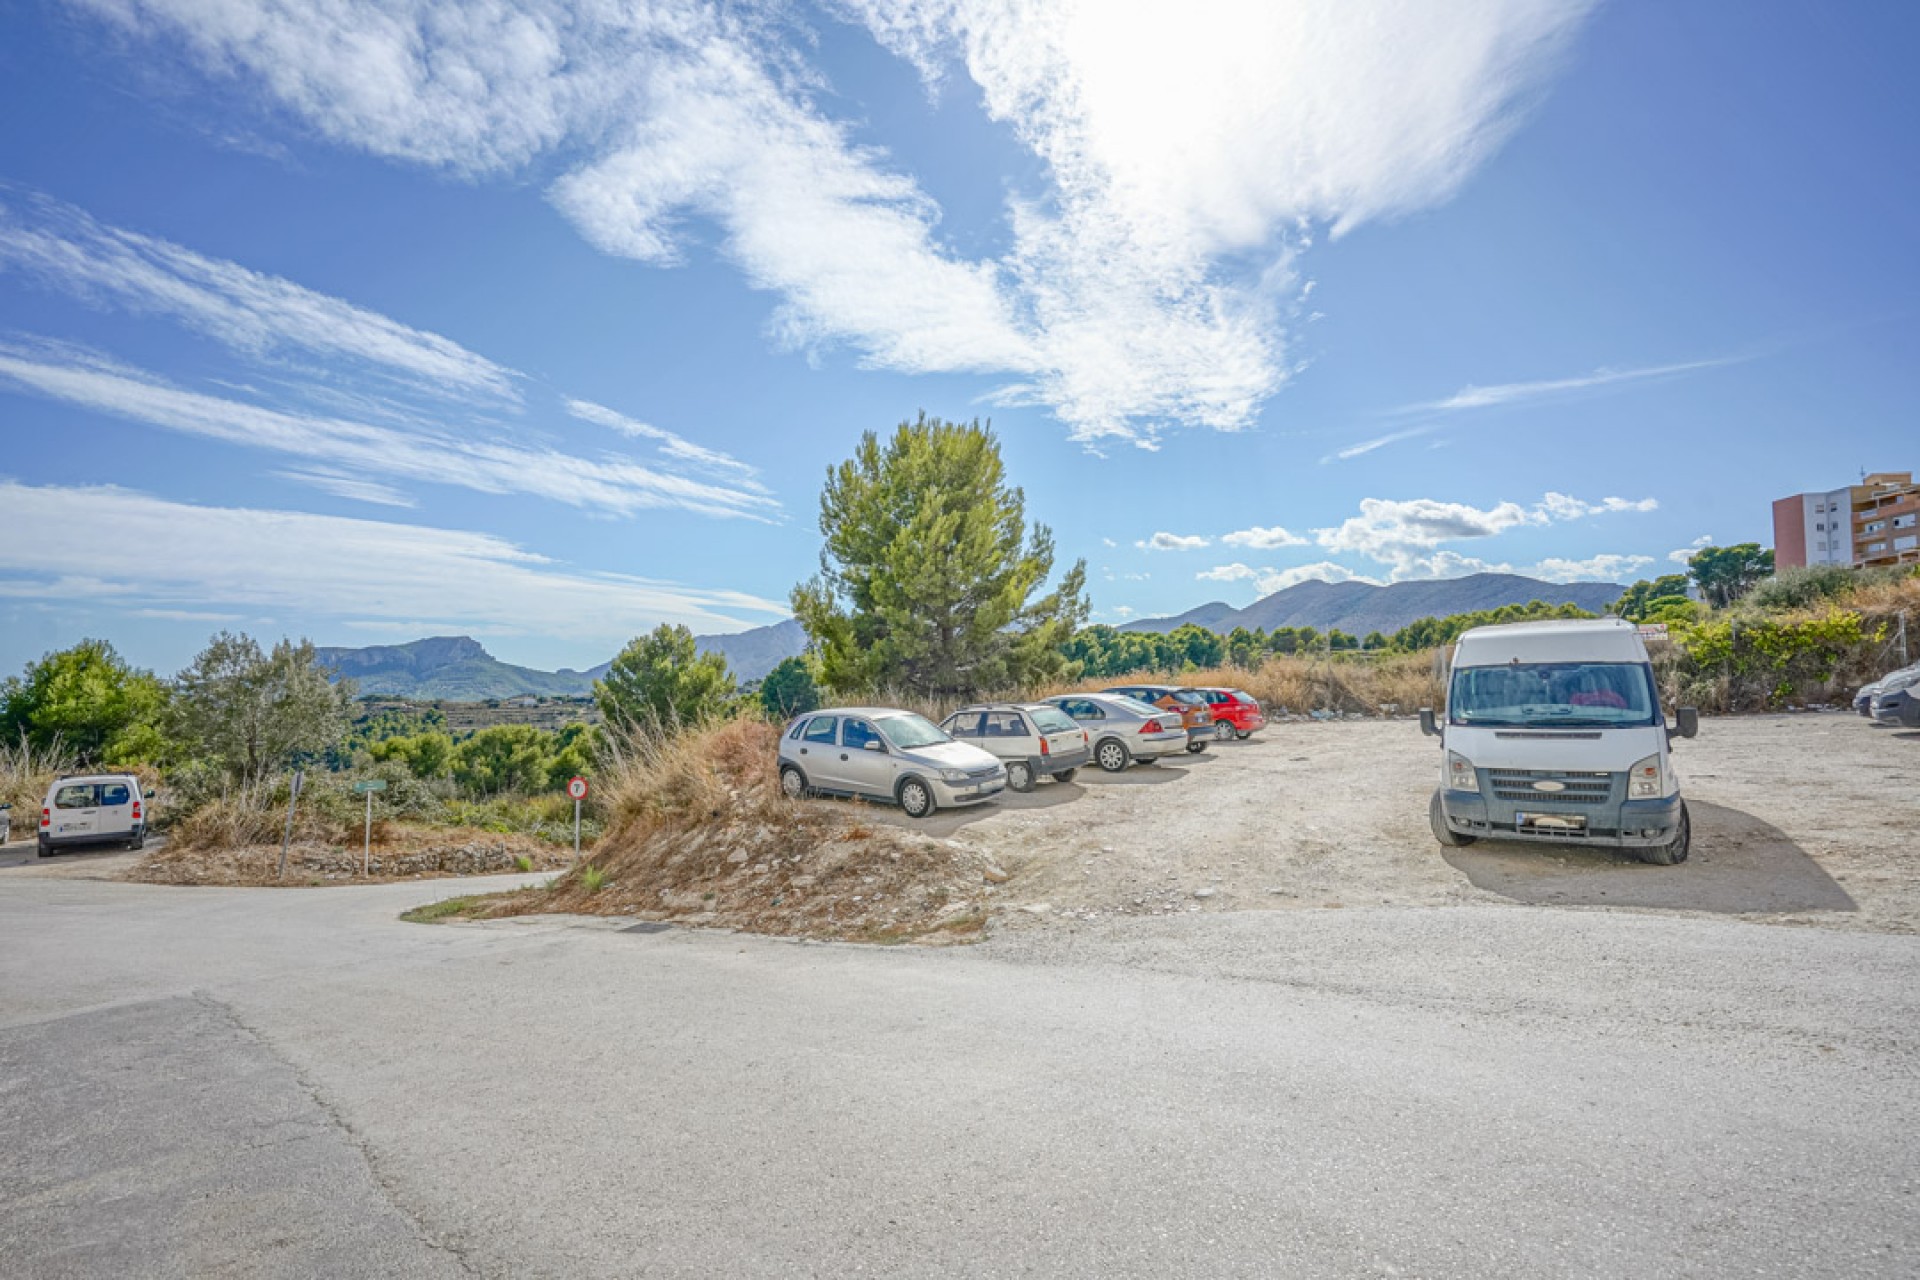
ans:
(247, 1082)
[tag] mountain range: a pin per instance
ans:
(1358, 608)
(459, 668)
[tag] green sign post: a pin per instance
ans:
(366, 850)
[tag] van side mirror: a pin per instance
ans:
(1686, 723)
(1427, 725)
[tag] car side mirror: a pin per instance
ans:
(1686, 723)
(876, 746)
(1427, 724)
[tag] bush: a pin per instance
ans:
(1803, 587)
(789, 691)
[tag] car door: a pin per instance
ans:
(114, 817)
(76, 811)
(868, 763)
(818, 753)
(963, 726)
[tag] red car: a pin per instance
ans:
(1236, 713)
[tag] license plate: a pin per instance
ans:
(1552, 821)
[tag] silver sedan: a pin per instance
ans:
(1124, 730)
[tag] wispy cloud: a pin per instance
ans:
(1378, 442)
(63, 248)
(376, 453)
(1172, 542)
(344, 485)
(198, 563)
(672, 445)
(1150, 275)
(1472, 397)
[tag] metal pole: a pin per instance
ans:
(576, 830)
(366, 850)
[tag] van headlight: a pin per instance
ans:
(954, 775)
(1647, 779)
(1460, 775)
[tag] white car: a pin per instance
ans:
(1034, 740)
(881, 753)
(1124, 730)
(102, 808)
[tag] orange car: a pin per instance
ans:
(1195, 715)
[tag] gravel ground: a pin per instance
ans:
(1806, 819)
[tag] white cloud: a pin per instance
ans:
(62, 247)
(1600, 568)
(1271, 581)
(1558, 506)
(1108, 542)
(1407, 534)
(1122, 611)
(1264, 539)
(1472, 397)
(1378, 442)
(672, 445)
(1681, 555)
(1172, 542)
(1235, 572)
(378, 453)
(351, 487)
(196, 562)
(1149, 279)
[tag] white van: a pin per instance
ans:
(1554, 733)
(101, 808)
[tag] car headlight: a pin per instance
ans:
(1646, 780)
(1460, 775)
(954, 775)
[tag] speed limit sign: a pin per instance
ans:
(577, 788)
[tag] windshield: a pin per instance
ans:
(909, 731)
(1554, 695)
(1051, 721)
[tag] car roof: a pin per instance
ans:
(873, 713)
(96, 777)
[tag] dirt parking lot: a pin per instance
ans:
(1808, 819)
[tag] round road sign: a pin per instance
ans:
(577, 788)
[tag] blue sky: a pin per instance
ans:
(366, 322)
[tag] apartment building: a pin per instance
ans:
(1886, 520)
(1866, 525)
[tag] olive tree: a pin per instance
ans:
(254, 712)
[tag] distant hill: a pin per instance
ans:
(459, 669)
(1358, 607)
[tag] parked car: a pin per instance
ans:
(92, 809)
(1195, 715)
(1033, 740)
(1899, 705)
(881, 753)
(1236, 713)
(1123, 730)
(1904, 677)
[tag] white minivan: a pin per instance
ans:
(1554, 733)
(102, 808)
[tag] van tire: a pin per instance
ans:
(1675, 851)
(138, 843)
(1437, 819)
(1112, 755)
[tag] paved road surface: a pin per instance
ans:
(235, 1082)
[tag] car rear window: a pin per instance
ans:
(83, 795)
(821, 728)
(1051, 721)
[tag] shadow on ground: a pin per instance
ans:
(1739, 864)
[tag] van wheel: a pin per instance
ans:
(793, 783)
(1437, 819)
(1020, 776)
(916, 797)
(1111, 755)
(1675, 851)
(138, 843)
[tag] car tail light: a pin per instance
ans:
(136, 811)
(46, 817)
(1044, 749)
(1151, 726)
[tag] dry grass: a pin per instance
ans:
(401, 851)
(25, 775)
(697, 831)
(1366, 684)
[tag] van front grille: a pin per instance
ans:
(1516, 786)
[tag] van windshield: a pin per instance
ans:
(1602, 695)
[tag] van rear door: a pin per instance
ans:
(114, 817)
(76, 811)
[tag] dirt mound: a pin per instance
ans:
(700, 834)
(403, 853)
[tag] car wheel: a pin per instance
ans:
(1223, 730)
(1112, 755)
(1675, 851)
(1197, 745)
(1243, 734)
(793, 783)
(1020, 776)
(1065, 775)
(1437, 819)
(916, 797)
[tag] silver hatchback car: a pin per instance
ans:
(881, 753)
(1033, 739)
(1124, 729)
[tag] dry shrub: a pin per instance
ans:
(1365, 684)
(25, 774)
